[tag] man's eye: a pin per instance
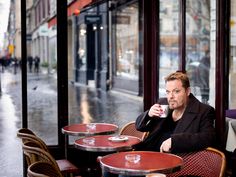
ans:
(173, 92)
(176, 91)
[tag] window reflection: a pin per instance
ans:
(169, 32)
(232, 70)
(199, 45)
(127, 52)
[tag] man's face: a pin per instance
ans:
(177, 95)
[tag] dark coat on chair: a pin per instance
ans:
(194, 131)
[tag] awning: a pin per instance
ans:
(77, 5)
(52, 21)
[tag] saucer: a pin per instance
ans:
(118, 138)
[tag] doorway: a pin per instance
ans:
(91, 50)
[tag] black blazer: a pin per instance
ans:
(194, 131)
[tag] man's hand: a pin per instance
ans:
(155, 111)
(166, 145)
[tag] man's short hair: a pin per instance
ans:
(179, 75)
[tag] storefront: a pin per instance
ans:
(92, 61)
(109, 54)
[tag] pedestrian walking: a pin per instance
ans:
(15, 64)
(30, 63)
(36, 64)
(2, 63)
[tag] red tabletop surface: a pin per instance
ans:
(150, 162)
(81, 129)
(103, 144)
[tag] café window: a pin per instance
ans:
(200, 24)
(127, 40)
(168, 26)
(200, 48)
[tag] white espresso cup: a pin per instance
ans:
(165, 110)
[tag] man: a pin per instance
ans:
(189, 125)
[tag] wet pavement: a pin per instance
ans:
(86, 104)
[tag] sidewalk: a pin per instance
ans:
(85, 105)
(11, 154)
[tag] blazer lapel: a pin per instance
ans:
(189, 115)
(184, 122)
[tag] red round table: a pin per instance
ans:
(150, 162)
(103, 144)
(82, 129)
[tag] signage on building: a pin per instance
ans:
(91, 19)
(28, 37)
(121, 19)
(43, 30)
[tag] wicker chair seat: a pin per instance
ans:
(66, 166)
(206, 163)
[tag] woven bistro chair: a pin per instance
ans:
(43, 169)
(35, 153)
(206, 163)
(130, 129)
(25, 131)
(28, 137)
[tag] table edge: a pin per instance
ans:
(123, 171)
(66, 132)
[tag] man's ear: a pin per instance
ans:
(188, 91)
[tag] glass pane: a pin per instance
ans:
(127, 50)
(41, 71)
(89, 50)
(169, 33)
(200, 48)
(232, 71)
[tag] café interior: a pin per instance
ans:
(105, 147)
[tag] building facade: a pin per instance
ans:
(130, 45)
(13, 34)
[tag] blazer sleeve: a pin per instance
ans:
(142, 122)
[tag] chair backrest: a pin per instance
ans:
(25, 131)
(130, 129)
(43, 169)
(35, 153)
(208, 163)
(27, 135)
(36, 150)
